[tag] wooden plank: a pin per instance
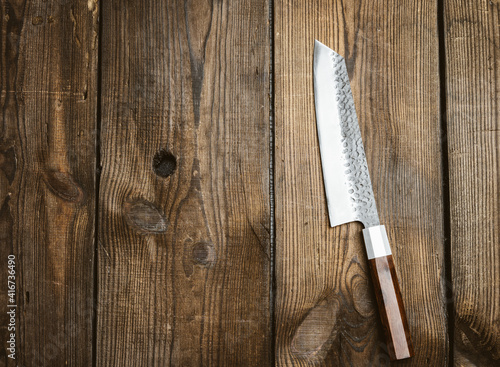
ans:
(325, 307)
(473, 100)
(184, 245)
(47, 182)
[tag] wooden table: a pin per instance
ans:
(161, 188)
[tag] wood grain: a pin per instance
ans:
(473, 101)
(325, 307)
(184, 207)
(48, 94)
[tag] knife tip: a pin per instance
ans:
(318, 45)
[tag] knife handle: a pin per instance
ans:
(388, 293)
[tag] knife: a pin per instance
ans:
(349, 192)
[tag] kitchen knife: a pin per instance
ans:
(349, 192)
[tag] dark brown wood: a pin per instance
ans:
(473, 106)
(48, 101)
(184, 213)
(325, 310)
(391, 308)
(184, 208)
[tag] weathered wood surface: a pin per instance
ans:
(184, 204)
(48, 94)
(325, 307)
(473, 100)
(184, 207)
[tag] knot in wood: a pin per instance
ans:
(164, 163)
(63, 185)
(203, 253)
(144, 216)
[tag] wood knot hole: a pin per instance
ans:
(164, 163)
(203, 253)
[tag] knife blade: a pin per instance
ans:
(349, 191)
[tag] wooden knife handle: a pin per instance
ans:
(391, 308)
(386, 285)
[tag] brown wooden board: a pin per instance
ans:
(325, 307)
(184, 207)
(473, 105)
(48, 94)
(184, 217)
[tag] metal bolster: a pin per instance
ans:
(376, 242)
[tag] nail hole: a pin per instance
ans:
(37, 20)
(164, 163)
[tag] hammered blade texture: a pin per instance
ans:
(356, 168)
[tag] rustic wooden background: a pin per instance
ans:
(161, 189)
